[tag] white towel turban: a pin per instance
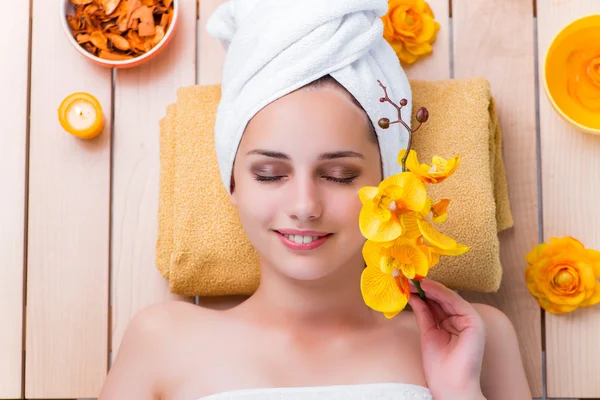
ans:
(277, 46)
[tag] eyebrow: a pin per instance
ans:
(324, 156)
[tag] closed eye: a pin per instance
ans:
(263, 178)
(345, 181)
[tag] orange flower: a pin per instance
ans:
(563, 275)
(410, 28)
(439, 170)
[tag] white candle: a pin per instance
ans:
(81, 115)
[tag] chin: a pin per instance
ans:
(306, 270)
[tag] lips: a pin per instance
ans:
(302, 240)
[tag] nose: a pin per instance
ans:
(305, 200)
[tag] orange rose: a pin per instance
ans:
(563, 275)
(410, 28)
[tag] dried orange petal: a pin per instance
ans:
(83, 38)
(119, 42)
(160, 34)
(89, 48)
(164, 21)
(120, 29)
(73, 22)
(110, 27)
(148, 43)
(110, 6)
(132, 6)
(146, 26)
(109, 55)
(99, 40)
(91, 9)
(135, 41)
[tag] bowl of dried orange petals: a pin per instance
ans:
(119, 33)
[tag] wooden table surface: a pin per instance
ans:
(78, 219)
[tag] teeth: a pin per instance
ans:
(299, 239)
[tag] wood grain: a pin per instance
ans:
(69, 201)
(142, 95)
(211, 53)
(13, 143)
(570, 176)
(495, 40)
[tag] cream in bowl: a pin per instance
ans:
(571, 73)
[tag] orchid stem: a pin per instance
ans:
(418, 286)
(407, 151)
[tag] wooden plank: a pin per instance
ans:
(211, 53)
(68, 246)
(570, 173)
(505, 56)
(13, 143)
(142, 95)
(435, 66)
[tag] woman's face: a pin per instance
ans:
(299, 166)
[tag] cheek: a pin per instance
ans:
(344, 209)
(257, 209)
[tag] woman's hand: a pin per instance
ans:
(452, 342)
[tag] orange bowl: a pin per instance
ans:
(68, 8)
(571, 74)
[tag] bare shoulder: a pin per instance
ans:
(150, 345)
(161, 321)
(503, 374)
(167, 315)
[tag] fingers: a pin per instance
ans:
(450, 301)
(448, 309)
(424, 316)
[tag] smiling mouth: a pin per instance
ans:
(303, 242)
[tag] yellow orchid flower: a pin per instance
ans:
(384, 292)
(397, 217)
(440, 243)
(397, 195)
(439, 211)
(432, 258)
(401, 255)
(439, 170)
(415, 227)
(384, 282)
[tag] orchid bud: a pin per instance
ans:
(403, 102)
(422, 115)
(382, 99)
(384, 123)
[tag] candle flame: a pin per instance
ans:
(78, 111)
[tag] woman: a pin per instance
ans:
(307, 324)
(294, 174)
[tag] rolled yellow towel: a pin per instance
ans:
(463, 121)
(202, 248)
